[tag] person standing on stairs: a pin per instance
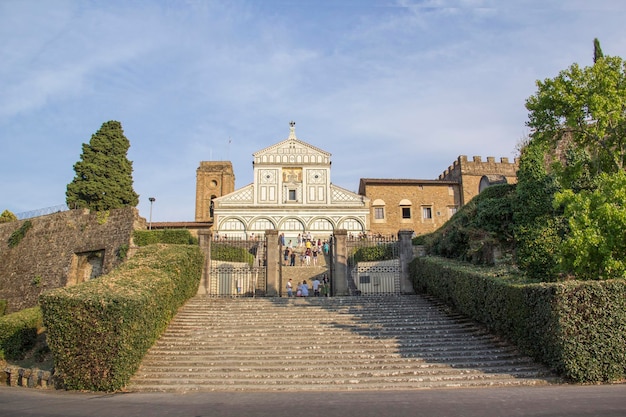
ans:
(286, 256)
(316, 286)
(304, 289)
(289, 288)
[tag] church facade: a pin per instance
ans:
(292, 192)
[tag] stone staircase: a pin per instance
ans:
(328, 344)
(301, 272)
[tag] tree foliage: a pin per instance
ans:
(597, 51)
(537, 225)
(103, 178)
(595, 245)
(571, 211)
(7, 216)
(588, 104)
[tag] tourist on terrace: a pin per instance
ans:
(304, 289)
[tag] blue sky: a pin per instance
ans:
(391, 88)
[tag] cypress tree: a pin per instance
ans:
(103, 178)
(597, 51)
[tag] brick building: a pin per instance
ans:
(425, 205)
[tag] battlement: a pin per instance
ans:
(463, 166)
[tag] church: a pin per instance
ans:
(292, 193)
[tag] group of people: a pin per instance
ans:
(320, 288)
(307, 249)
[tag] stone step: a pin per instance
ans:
(331, 383)
(347, 361)
(333, 343)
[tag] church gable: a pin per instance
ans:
(242, 196)
(342, 196)
(292, 151)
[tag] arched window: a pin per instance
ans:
(405, 208)
(489, 180)
(379, 209)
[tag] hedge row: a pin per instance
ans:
(100, 330)
(381, 252)
(18, 332)
(576, 328)
(170, 236)
(228, 253)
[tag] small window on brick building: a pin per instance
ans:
(405, 207)
(379, 213)
(427, 212)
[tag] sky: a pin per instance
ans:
(391, 88)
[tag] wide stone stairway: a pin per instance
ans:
(323, 344)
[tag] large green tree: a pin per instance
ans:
(589, 104)
(579, 137)
(103, 178)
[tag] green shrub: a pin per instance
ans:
(485, 223)
(168, 236)
(18, 332)
(381, 252)
(7, 216)
(576, 328)
(100, 330)
(3, 307)
(229, 253)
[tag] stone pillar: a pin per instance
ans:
(405, 247)
(273, 263)
(204, 241)
(340, 275)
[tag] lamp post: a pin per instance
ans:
(152, 200)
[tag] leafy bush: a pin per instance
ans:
(3, 307)
(485, 223)
(538, 227)
(167, 236)
(595, 245)
(7, 216)
(99, 331)
(229, 253)
(18, 332)
(576, 328)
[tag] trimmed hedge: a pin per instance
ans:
(228, 253)
(381, 252)
(577, 328)
(100, 330)
(3, 307)
(18, 332)
(168, 236)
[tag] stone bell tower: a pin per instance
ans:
(213, 179)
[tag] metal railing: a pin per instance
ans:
(42, 211)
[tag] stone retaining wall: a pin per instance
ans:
(61, 249)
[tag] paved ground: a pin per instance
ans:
(561, 400)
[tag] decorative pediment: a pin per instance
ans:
(292, 151)
(241, 196)
(340, 195)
